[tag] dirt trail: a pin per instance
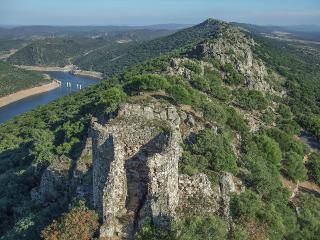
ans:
(305, 186)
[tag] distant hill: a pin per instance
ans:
(61, 51)
(40, 32)
(300, 32)
(116, 59)
(172, 26)
(111, 56)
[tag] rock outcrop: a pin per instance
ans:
(228, 184)
(135, 168)
(135, 172)
(231, 45)
(196, 196)
(53, 182)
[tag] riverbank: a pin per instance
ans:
(14, 97)
(68, 68)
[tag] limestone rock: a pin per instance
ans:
(196, 196)
(191, 120)
(232, 46)
(53, 181)
(135, 168)
(229, 184)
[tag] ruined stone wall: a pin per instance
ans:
(135, 168)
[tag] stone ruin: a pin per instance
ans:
(135, 168)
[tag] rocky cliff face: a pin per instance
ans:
(135, 168)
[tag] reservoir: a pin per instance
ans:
(69, 84)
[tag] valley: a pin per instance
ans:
(25, 100)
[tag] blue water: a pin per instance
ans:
(27, 104)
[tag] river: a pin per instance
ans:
(27, 104)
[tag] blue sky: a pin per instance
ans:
(147, 12)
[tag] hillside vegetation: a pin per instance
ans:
(61, 51)
(247, 97)
(13, 79)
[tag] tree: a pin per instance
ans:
(314, 167)
(78, 224)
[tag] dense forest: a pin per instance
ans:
(261, 154)
(23, 79)
(117, 59)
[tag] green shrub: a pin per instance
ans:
(149, 231)
(311, 122)
(222, 93)
(251, 100)
(286, 142)
(146, 82)
(294, 167)
(193, 66)
(214, 78)
(214, 112)
(110, 99)
(180, 94)
(199, 228)
(262, 158)
(309, 217)
(248, 204)
(270, 149)
(233, 77)
(236, 122)
(216, 149)
(268, 117)
(200, 82)
(285, 111)
(192, 164)
(190, 228)
(291, 127)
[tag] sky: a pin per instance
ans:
(149, 12)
